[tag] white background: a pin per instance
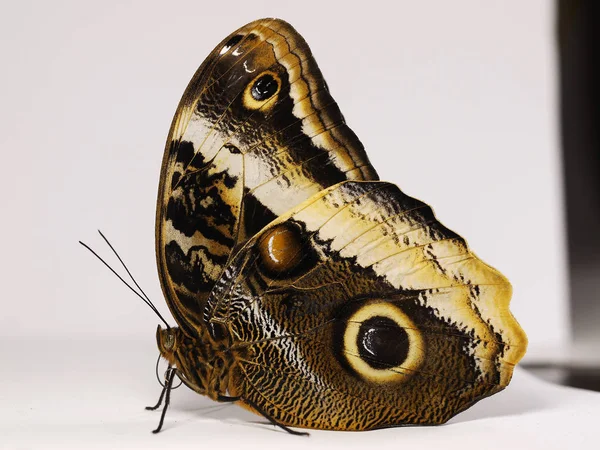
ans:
(461, 92)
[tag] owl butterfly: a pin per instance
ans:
(305, 289)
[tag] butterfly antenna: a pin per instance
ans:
(125, 267)
(144, 298)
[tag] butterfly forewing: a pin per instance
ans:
(255, 134)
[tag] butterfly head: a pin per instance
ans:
(168, 341)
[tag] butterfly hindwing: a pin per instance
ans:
(255, 134)
(358, 309)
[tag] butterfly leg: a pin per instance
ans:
(162, 393)
(272, 420)
(160, 400)
(167, 391)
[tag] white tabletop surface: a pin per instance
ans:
(91, 394)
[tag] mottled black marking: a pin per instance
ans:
(175, 180)
(188, 269)
(184, 155)
(256, 215)
(201, 207)
(185, 151)
(232, 149)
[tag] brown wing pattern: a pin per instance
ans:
(255, 134)
(358, 310)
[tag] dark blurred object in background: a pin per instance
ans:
(578, 27)
(579, 52)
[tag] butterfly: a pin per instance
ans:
(304, 288)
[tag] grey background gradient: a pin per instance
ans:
(455, 102)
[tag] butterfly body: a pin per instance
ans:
(305, 288)
(200, 365)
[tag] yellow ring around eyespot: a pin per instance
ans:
(251, 103)
(416, 346)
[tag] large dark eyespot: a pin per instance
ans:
(382, 343)
(264, 88)
(230, 43)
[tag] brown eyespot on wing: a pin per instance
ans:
(255, 134)
(375, 315)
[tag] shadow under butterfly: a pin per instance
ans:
(304, 288)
